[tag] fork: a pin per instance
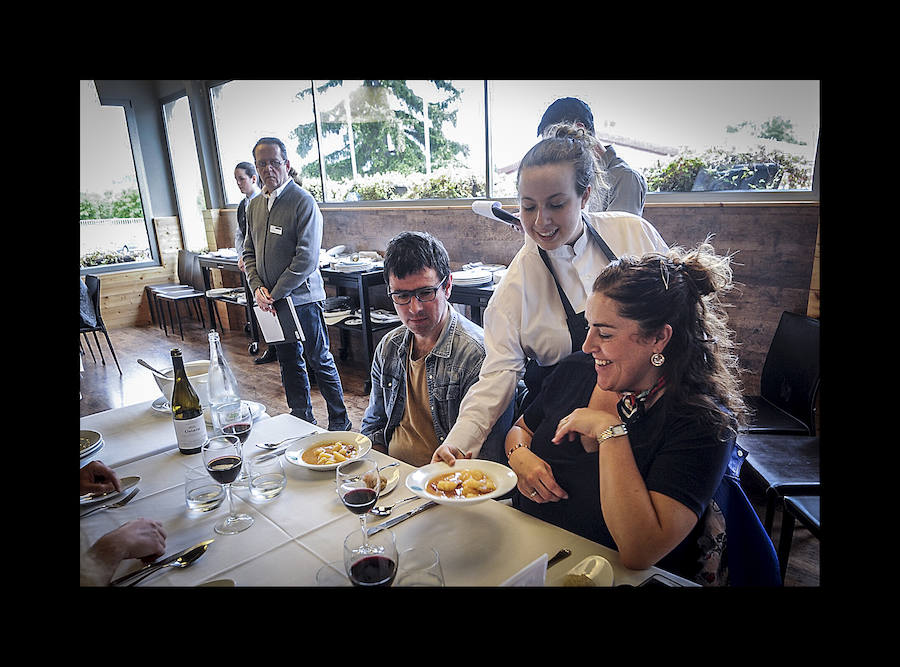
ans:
(114, 505)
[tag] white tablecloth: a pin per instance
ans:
(304, 528)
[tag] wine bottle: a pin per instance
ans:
(187, 414)
(223, 388)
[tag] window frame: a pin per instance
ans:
(210, 84)
(652, 198)
(163, 101)
(143, 189)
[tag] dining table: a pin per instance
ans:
(293, 535)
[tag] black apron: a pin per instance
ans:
(576, 322)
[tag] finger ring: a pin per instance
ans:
(564, 420)
(534, 493)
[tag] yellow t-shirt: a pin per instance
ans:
(414, 439)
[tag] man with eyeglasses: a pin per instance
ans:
(281, 257)
(422, 369)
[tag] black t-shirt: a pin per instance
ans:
(676, 454)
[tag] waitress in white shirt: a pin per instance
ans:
(536, 315)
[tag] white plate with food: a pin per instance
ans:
(91, 441)
(326, 451)
(466, 482)
(390, 477)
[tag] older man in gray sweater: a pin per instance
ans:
(281, 257)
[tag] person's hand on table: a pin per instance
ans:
(535, 477)
(448, 454)
(97, 477)
(144, 539)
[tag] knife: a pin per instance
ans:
(159, 563)
(562, 553)
(125, 482)
(403, 517)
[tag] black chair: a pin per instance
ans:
(193, 296)
(751, 556)
(789, 381)
(781, 465)
(93, 289)
(806, 510)
(184, 273)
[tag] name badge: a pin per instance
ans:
(274, 229)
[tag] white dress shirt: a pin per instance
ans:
(271, 197)
(525, 318)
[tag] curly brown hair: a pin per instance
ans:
(684, 288)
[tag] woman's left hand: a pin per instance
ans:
(584, 422)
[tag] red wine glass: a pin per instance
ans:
(358, 486)
(370, 560)
(223, 460)
(235, 419)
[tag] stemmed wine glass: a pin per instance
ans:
(223, 461)
(371, 561)
(235, 419)
(358, 484)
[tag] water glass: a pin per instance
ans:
(267, 479)
(201, 494)
(332, 575)
(420, 566)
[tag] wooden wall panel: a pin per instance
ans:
(774, 246)
(122, 301)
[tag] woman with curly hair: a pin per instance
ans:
(629, 438)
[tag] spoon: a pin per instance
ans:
(275, 445)
(150, 368)
(181, 561)
(384, 510)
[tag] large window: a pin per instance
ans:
(684, 136)
(245, 111)
(418, 140)
(186, 172)
(379, 140)
(114, 231)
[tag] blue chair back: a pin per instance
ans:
(752, 560)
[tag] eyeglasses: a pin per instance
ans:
(423, 294)
(271, 163)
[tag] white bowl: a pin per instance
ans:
(504, 478)
(198, 375)
(295, 455)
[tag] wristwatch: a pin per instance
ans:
(613, 431)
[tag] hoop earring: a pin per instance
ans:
(657, 359)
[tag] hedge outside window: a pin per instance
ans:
(113, 230)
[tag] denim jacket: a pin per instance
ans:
(451, 368)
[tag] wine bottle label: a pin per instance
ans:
(190, 434)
